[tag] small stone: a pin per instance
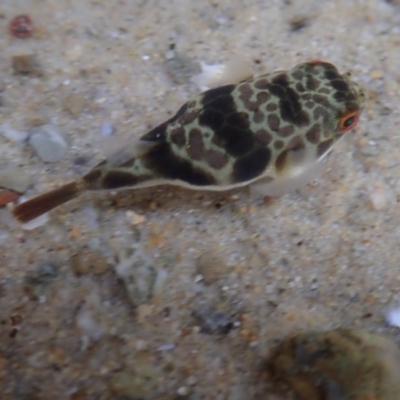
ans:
(299, 22)
(44, 274)
(12, 134)
(48, 143)
(152, 206)
(21, 26)
(212, 321)
(7, 196)
(14, 181)
(141, 345)
(376, 74)
(343, 363)
(75, 103)
(166, 347)
(183, 391)
(135, 218)
(35, 120)
(143, 311)
(211, 267)
(107, 129)
(393, 317)
(26, 64)
(36, 281)
(88, 262)
(379, 195)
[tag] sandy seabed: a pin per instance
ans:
(165, 293)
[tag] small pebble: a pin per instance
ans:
(376, 74)
(26, 64)
(87, 262)
(35, 120)
(212, 321)
(7, 196)
(48, 143)
(13, 134)
(107, 129)
(15, 181)
(379, 195)
(141, 345)
(183, 391)
(143, 312)
(299, 22)
(75, 104)
(42, 275)
(393, 317)
(37, 281)
(4, 235)
(134, 218)
(211, 267)
(166, 347)
(21, 26)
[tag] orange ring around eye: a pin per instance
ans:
(348, 121)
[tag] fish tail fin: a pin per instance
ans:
(43, 203)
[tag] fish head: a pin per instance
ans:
(333, 99)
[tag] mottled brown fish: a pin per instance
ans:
(275, 127)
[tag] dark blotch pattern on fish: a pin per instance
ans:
(116, 178)
(289, 104)
(251, 165)
(164, 163)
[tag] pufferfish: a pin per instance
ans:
(273, 128)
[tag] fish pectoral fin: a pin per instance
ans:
(296, 169)
(119, 150)
(294, 162)
(236, 70)
(299, 158)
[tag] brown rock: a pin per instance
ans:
(346, 364)
(26, 64)
(75, 103)
(136, 385)
(7, 196)
(87, 262)
(298, 22)
(211, 266)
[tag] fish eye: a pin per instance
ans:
(347, 122)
